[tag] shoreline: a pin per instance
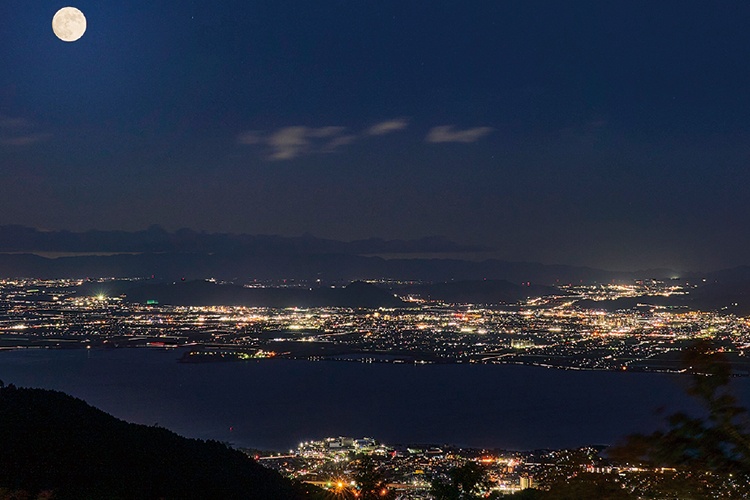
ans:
(236, 354)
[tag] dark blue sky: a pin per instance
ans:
(612, 134)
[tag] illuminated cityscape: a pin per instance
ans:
(550, 331)
(228, 228)
(575, 328)
(409, 471)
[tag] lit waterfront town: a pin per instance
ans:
(577, 327)
(413, 471)
(567, 331)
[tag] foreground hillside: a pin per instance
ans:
(52, 442)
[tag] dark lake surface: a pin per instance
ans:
(274, 404)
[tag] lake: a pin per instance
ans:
(274, 404)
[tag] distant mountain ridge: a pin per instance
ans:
(327, 267)
(155, 239)
(241, 257)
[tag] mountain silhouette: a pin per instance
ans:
(50, 441)
(205, 293)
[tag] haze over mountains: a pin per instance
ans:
(186, 256)
(15, 238)
(196, 255)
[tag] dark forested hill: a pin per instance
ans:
(50, 441)
(479, 291)
(727, 297)
(205, 293)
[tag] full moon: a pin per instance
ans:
(69, 24)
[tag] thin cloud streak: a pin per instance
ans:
(446, 133)
(337, 142)
(16, 131)
(287, 143)
(291, 142)
(11, 123)
(251, 137)
(24, 140)
(388, 126)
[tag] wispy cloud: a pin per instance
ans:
(337, 142)
(250, 137)
(11, 123)
(291, 142)
(287, 143)
(19, 131)
(24, 140)
(388, 126)
(446, 133)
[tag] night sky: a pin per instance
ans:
(612, 134)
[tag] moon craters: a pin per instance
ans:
(69, 24)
